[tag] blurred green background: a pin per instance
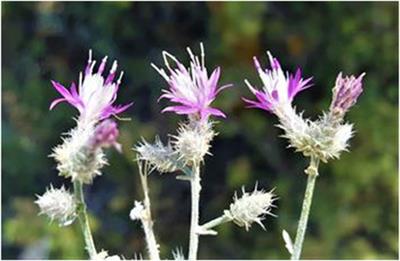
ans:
(355, 209)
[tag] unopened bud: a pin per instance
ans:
(58, 204)
(345, 93)
(161, 157)
(105, 135)
(250, 207)
(193, 141)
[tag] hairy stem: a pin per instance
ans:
(312, 172)
(215, 222)
(83, 219)
(195, 188)
(147, 221)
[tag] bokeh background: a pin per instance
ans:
(355, 209)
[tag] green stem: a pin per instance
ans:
(83, 219)
(312, 172)
(194, 237)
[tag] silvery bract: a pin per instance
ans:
(58, 204)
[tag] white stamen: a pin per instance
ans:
(165, 55)
(114, 66)
(270, 57)
(92, 66)
(120, 77)
(190, 54)
(251, 87)
(160, 71)
(103, 63)
(80, 81)
(202, 54)
(90, 56)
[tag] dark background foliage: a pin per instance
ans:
(355, 209)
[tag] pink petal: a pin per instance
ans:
(61, 89)
(180, 109)
(255, 104)
(224, 87)
(212, 82)
(215, 112)
(55, 102)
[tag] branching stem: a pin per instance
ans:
(147, 221)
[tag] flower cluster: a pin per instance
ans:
(324, 138)
(278, 89)
(191, 88)
(81, 156)
(95, 95)
(194, 91)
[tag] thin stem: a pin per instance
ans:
(312, 172)
(147, 221)
(83, 220)
(195, 188)
(215, 222)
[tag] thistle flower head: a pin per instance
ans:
(58, 204)
(323, 139)
(95, 95)
(278, 89)
(105, 135)
(192, 142)
(191, 88)
(251, 207)
(159, 156)
(345, 93)
(77, 158)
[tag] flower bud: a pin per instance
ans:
(59, 205)
(193, 141)
(105, 135)
(250, 207)
(345, 94)
(160, 157)
(76, 157)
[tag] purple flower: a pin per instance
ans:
(105, 135)
(279, 89)
(95, 95)
(346, 92)
(191, 88)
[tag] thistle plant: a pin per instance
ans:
(320, 140)
(193, 91)
(80, 157)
